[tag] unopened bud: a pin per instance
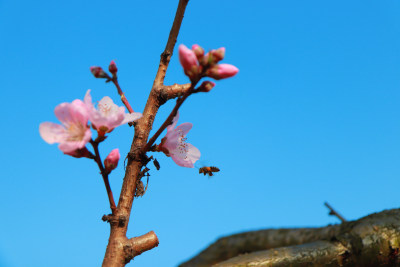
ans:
(112, 68)
(218, 54)
(98, 72)
(222, 71)
(111, 161)
(187, 58)
(198, 51)
(206, 86)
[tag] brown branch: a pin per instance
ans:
(233, 245)
(171, 116)
(334, 213)
(115, 255)
(168, 92)
(320, 253)
(104, 174)
(137, 245)
(370, 241)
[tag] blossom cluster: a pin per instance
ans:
(196, 64)
(74, 132)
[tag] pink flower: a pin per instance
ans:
(74, 133)
(111, 161)
(107, 116)
(174, 144)
(222, 71)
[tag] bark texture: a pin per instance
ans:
(373, 240)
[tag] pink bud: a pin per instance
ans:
(188, 60)
(206, 86)
(218, 54)
(222, 71)
(198, 50)
(111, 161)
(98, 72)
(113, 67)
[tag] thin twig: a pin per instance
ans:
(104, 175)
(123, 98)
(335, 213)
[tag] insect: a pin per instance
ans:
(208, 170)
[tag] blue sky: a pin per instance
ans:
(312, 116)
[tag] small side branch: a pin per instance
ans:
(168, 92)
(137, 245)
(122, 95)
(171, 116)
(335, 213)
(104, 174)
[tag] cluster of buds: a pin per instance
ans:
(196, 64)
(98, 72)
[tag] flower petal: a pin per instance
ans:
(62, 112)
(174, 122)
(193, 153)
(181, 162)
(184, 128)
(52, 132)
(131, 117)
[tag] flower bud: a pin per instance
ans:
(218, 54)
(198, 51)
(206, 86)
(98, 72)
(222, 71)
(112, 68)
(188, 61)
(111, 161)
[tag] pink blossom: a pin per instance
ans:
(74, 133)
(107, 116)
(111, 161)
(174, 144)
(222, 71)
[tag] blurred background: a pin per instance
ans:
(312, 116)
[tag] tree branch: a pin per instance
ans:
(168, 92)
(334, 212)
(103, 173)
(373, 240)
(115, 255)
(137, 245)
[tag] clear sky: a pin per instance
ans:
(312, 116)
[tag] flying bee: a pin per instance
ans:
(208, 170)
